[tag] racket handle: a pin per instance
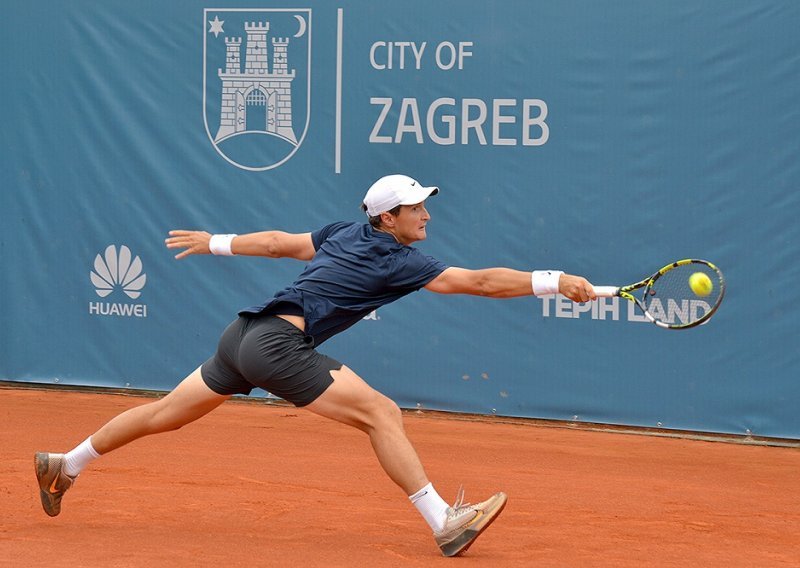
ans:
(606, 291)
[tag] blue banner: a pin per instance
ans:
(604, 139)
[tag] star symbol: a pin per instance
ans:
(216, 26)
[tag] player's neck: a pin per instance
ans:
(388, 232)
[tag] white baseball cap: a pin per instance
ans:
(391, 191)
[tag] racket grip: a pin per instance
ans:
(606, 291)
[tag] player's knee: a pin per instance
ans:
(386, 413)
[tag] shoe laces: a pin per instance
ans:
(459, 507)
(460, 499)
(458, 514)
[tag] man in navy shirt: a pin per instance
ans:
(353, 269)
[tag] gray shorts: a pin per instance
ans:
(268, 352)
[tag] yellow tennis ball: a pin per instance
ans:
(700, 284)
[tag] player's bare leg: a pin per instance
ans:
(190, 400)
(352, 401)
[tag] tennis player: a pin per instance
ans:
(353, 269)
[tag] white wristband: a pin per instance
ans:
(545, 281)
(221, 244)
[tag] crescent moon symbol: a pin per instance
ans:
(302, 22)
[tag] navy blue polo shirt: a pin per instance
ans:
(355, 270)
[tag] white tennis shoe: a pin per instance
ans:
(466, 522)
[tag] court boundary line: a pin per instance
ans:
(694, 435)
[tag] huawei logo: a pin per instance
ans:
(117, 270)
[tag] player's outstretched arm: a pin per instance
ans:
(273, 244)
(505, 283)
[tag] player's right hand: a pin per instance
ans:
(195, 242)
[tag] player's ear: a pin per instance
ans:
(387, 219)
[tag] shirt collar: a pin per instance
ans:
(383, 235)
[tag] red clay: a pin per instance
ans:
(266, 485)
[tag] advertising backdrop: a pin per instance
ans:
(602, 138)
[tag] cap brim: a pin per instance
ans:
(418, 195)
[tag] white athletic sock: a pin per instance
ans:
(79, 458)
(432, 507)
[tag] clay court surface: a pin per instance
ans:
(267, 485)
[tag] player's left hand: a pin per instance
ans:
(195, 242)
(576, 288)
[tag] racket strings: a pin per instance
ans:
(672, 300)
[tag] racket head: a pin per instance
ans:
(669, 301)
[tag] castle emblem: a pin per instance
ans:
(257, 87)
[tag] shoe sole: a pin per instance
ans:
(42, 463)
(462, 542)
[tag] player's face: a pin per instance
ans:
(410, 223)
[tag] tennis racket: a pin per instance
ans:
(668, 299)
